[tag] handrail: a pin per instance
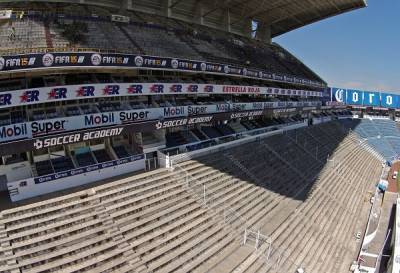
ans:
(34, 50)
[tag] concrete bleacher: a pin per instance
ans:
(154, 222)
(301, 209)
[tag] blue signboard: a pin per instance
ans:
(338, 94)
(390, 100)
(365, 98)
(354, 97)
(91, 168)
(371, 99)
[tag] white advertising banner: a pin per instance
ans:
(76, 92)
(65, 124)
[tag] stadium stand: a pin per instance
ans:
(153, 222)
(144, 37)
(381, 134)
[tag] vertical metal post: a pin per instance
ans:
(257, 239)
(204, 194)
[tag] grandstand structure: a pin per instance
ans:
(175, 136)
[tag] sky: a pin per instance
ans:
(359, 49)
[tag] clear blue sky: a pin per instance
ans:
(359, 49)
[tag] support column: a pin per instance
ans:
(264, 33)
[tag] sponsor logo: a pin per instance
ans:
(239, 107)
(223, 107)
(70, 59)
(68, 139)
(133, 116)
(111, 90)
(258, 105)
(246, 114)
(174, 111)
(2, 63)
(153, 62)
(208, 88)
(15, 130)
(181, 122)
(339, 95)
(57, 93)
(260, 74)
(187, 65)
(157, 88)
(85, 91)
(268, 105)
(196, 110)
(5, 99)
(48, 59)
(135, 89)
(20, 62)
(30, 96)
(244, 72)
(95, 120)
(193, 88)
(138, 61)
(241, 89)
(176, 88)
(174, 63)
(45, 127)
(203, 66)
(115, 60)
(95, 59)
(227, 69)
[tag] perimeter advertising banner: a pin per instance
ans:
(47, 127)
(364, 98)
(64, 138)
(37, 61)
(78, 92)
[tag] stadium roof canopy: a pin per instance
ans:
(274, 17)
(280, 16)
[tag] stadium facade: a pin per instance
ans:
(198, 130)
(97, 89)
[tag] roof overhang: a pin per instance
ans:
(279, 16)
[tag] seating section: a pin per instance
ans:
(62, 163)
(102, 156)
(85, 159)
(175, 139)
(163, 37)
(299, 209)
(201, 136)
(44, 167)
(155, 222)
(381, 134)
(28, 33)
(121, 151)
(211, 132)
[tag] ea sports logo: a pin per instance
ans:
(227, 69)
(138, 61)
(48, 59)
(203, 66)
(174, 63)
(339, 95)
(95, 59)
(2, 63)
